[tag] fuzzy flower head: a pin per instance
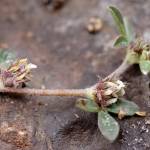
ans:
(139, 53)
(109, 91)
(17, 74)
(139, 50)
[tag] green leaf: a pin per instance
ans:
(87, 105)
(144, 66)
(108, 126)
(130, 35)
(121, 41)
(6, 58)
(118, 19)
(128, 107)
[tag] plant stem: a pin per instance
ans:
(45, 92)
(120, 70)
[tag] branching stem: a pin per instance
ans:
(65, 92)
(120, 70)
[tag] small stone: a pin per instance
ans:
(147, 122)
(95, 25)
(133, 125)
(77, 116)
(22, 133)
(12, 102)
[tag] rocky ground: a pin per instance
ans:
(55, 38)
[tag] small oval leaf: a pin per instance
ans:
(129, 108)
(144, 66)
(108, 126)
(130, 35)
(118, 19)
(87, 105)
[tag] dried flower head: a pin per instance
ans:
(109, 91)
(17, 74)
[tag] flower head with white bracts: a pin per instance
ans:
(109, 91)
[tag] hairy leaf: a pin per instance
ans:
(6, 58)
(124, 28)
(121, 41)
(87, 105)
(108, 126)
(129, 108)
(130, 35)
(144, 66)
(118, 19)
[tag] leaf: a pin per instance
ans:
(6, 58)
(87, 105)
(108, 126)
(128, 107)
(118, 19)
(121, 41)
(130, 35)
(144, 66)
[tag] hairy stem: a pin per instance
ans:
(45, 92)
(120, 70)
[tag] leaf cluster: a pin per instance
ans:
(108, 126)
(126, 37)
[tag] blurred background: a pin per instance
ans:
(58, 36)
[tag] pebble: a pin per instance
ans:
(95, 25)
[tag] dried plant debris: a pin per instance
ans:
(95, 25)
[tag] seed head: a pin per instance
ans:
(109, 91)
(17, 74)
